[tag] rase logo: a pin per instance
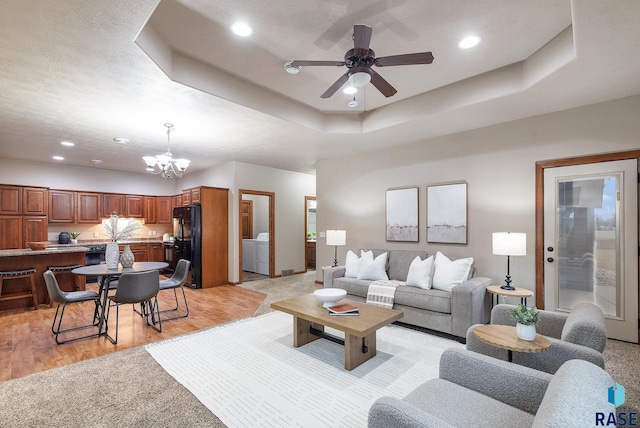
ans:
(615, 396)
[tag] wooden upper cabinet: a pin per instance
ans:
(112, 202)
(186, 198)
(150, 210)
(195, 196)
(35, 201)
(134, 206)
(177, 201)
(11, 232)
(164, 209)
(89, 207)
(34, 229)
(11, 200)
(62, 204)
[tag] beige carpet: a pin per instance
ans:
(128, 388)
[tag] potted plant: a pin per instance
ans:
(74, 237)
(526, 320)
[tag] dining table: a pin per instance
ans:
(107, 275)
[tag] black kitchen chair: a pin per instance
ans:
(136, 287)
(63, 298)
(174, 283)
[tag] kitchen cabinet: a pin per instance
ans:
(311, 254)
(35, 201)
(186, 198)
(195, 196)
(177, 201)
(62, 205)
(11, 236)
(164, 209)
(34, 229)
(156, 253)
(89, 208)
(140, 252)
(134, 206)
(150, 210)
(112, 202)
(10, 200)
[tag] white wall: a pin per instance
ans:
(497, 162)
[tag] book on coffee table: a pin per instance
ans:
(345, 309)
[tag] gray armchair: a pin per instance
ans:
(480, 391)
(581, 334)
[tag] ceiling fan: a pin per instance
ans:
(359, 61)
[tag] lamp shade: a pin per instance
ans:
(509, 244)
(336, 237)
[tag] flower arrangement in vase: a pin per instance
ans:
(526, 320)
(117, 231)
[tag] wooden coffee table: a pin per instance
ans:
(310, 319)
(505, 337)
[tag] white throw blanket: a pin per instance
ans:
(382, 293)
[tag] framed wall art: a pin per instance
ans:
(447, 213)
(402, 214)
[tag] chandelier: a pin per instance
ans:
(165, 164)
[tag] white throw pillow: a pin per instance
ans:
(447, 273)
(420, 273)
(352, 263)
(373, 269)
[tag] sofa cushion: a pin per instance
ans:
(373, 269)
(353, 286)
(420, 273)
(447, 273)
(352, 263)
(431, 300)
(399, 262)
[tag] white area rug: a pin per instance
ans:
(249, 374)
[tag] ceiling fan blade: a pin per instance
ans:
(316, 63)
(406, 59)
(361, 39)
(382, 85)
(338, 83)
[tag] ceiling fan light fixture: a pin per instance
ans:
(292, 69)
(350, 90)
(359, 79)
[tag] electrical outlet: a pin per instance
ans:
(96, 234)
(151, 233)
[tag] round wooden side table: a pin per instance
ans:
(497, 291)
(505, 337)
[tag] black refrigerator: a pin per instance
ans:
(187, 236)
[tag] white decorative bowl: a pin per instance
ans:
(330, 296)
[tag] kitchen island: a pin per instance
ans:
(41, 260)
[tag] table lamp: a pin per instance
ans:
(336, 238)
(509, 244)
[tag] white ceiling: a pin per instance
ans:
(90, 71)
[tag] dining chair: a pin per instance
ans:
(64, 298)
(136, 287)
(174, 283)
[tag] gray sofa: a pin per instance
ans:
(448, 312)
(475, 390)
(581, 334)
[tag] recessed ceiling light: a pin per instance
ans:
(242, 29)
(58, 157)
(121, 140)
(469, 42)
(349, 90)
(67, 143)
(96, 161)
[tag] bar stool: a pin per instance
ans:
(18, 274)
(66, 269)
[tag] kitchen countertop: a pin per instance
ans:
(49, 250)
(104, 242)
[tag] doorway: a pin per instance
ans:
(310, 205)
(587, 238)
(256, 235)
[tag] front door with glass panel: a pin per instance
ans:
(591, 242)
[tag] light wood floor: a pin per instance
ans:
(27, 345)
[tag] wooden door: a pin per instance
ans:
(34, 201)
(246, 219)
(62, 205)
(150, 211)
(89, 208)
(164, 209)
(10, 200)
(11, 233)
(34, 229)
(134, 206)
(111, 203)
